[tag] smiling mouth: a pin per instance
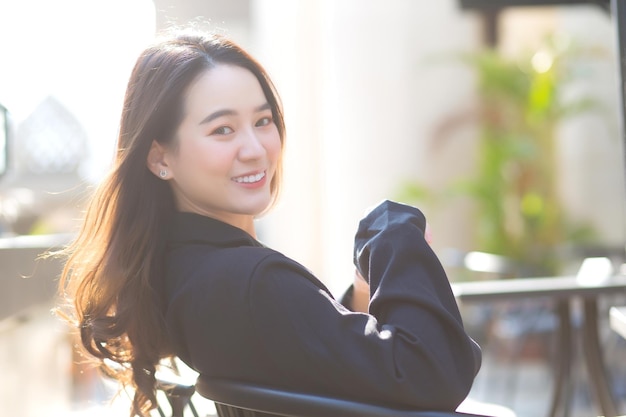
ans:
(249, 179)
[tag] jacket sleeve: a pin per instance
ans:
(410, 351)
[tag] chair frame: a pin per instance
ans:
(235, 398)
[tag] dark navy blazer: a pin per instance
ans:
(236, 309)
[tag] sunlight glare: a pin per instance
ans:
(79, 52)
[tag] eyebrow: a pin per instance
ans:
(228, 112)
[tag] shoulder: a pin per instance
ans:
(210, 264)
(203, 260)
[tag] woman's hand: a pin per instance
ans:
(361, 293)
(428, 235)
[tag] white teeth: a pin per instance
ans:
(250, 178)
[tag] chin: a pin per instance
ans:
(258, 208)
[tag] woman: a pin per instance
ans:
(167, 262)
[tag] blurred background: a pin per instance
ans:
(501, 124)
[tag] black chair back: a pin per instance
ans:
(237, 399)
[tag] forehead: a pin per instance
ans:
(224, 87)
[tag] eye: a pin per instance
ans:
(222, 130)
(264, 121)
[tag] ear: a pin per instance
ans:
(157, 161)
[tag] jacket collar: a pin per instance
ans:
(192, 228)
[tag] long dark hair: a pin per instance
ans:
(109, 276)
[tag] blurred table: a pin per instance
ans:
(562, 290)
(26, 280)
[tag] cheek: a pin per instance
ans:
(205, 158)
(273, 146)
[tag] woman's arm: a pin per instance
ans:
(411, 350)
(359, 291)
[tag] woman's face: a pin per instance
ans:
(227, 148)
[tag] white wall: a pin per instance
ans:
(360, 104)
(592, 147)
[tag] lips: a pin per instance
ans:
(249, 179)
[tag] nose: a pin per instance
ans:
(251, 146)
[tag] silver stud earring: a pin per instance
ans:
(162, 173)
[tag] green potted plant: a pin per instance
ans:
(515, 186)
